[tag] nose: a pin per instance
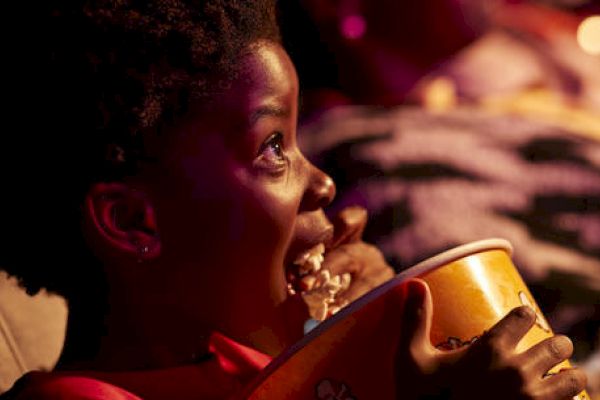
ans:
(320, 190)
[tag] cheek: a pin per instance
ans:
(269, 215)
(232, 215)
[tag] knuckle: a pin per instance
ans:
(573, 385)
(494, 343)
(502, 359)
(496, 355)
(559, 347)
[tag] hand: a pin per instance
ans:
(348, 254)
(491, 368)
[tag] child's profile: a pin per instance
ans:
(173, 168)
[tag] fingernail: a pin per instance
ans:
(525, 312)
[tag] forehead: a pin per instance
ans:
(266, 82)
(267, 75)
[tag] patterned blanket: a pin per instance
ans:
(432, 181)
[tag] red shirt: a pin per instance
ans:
(230, 369)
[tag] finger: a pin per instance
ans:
(360, 285)
(562, 386)
(546, 354)
(511, 329)
(340, 260)
(356, 258)
(416, 316)
(348, 226)
(361, 268)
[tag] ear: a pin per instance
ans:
(122, 220)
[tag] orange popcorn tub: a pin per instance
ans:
(473, 286)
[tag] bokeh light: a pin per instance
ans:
(353, 26)
(588, 35)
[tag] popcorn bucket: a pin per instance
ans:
(472, 286)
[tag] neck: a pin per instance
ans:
(143, 332)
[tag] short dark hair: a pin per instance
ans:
(108, 72)
(96, 77)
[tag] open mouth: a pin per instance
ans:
(316, 285)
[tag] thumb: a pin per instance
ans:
(348, 225)
(417, 312)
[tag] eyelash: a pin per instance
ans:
(271, 151)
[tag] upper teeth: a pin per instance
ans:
(317, 287)
(311, 260)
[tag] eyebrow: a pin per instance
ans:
(268, 111)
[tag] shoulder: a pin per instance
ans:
(49, 386)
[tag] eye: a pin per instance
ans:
(271, 151)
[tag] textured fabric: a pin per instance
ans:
(231, 367)
(45, 386)
(432, 181)
(32, 331)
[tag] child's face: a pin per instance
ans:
(236, 202)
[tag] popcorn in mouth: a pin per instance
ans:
(315, 284)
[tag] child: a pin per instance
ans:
(168, 156)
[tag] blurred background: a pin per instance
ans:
(459, 120)
(450, 121)
(383, 52)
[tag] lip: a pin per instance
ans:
(302, 243)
